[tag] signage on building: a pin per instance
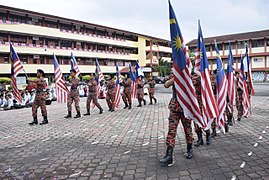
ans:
(146, 69)
(21, 80)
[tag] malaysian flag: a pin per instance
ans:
(221, 87)
(230, 80)
(250, 83)
(16, 66)
(61, 88)
(98, 77)
(209, 105)
(74, 64)
(242, 83)
(117, 98)
(182, 73)
(138, 70)
(133, 79)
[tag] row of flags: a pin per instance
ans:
(212, 107)
(61, 88)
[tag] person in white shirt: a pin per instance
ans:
(30, 103)
(9, 104)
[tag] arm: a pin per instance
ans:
(169, 83)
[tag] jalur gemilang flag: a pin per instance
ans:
(242, 84)
(132, 77)
(117, 98)
(61, 88)
(221, 87)
(209, 105)
(230, 80)
(99, 76)
(74, 64)
(16, 66)
(249, 74)
(182, 73)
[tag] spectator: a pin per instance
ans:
(53, 94)
(9, 102)
(48, 97)
(30, 103)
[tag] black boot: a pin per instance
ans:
(150, 101)
(88, 112)
(145, 102)
(168, 158)
(214, 133)
(78, 115)
(101, 111)
(208, 137)
(226, 128)
(200, 140)
(45, 120)
(126, 105)
(34, 122)
(130, 106)
(139, 105)
(68, 115)
(230, 122)
(189, 151)
(238, 119)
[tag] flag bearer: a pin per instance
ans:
(127, 92)
(152, 84)
(239, 98)
(111, 93)
(140, 91)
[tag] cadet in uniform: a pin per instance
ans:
(239, 98)
(127, 92)
(213, 78)
(140, 92)
(152, 84)
(197, 85)
(92, 96)
(111, 93)
(40, 98)
(176, 114)
(73, 95)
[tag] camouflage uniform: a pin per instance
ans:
(239, 99)
(152, 84)
(92, 94)
(111, 93)
(40, 98)
(176, 114)
(127, 91)
(140, 91)
(73, 95)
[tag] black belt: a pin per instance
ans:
(39, 91)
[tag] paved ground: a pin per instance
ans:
(127, 144)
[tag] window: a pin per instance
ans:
(6, 60)
(42, 61)
(35, 61)
(241, 44)
(47, 61)
(226, 45)
(257, 43)
(267, 42)
(207, 48)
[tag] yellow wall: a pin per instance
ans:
(142, 51)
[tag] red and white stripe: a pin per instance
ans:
(61, 88)
(133, 86)
(221, 101)
(76, 69)
(209, 105)
(231, 90)
(16, 92)
(197, 66)
(185, 90)
(117, 98)
(246, 101)
(17, 66)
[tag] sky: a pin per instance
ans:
(150, 17)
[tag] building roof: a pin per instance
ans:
(233, 37)
(18, 10)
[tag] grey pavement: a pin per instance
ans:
(127, 144)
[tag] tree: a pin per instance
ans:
(164, 68)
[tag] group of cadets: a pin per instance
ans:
(177, 114)
(92, 99)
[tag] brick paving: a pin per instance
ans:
(127, 144)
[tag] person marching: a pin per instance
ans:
(127, 92)
(152, 84)
(197, 85)
(140, 92)
(239, 98)
(40, 98)
(73, 95)
(92, 96)
(213, 78)
(176, 114)
(111, 93)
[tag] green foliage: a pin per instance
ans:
(32, 78)
(86, 78)
(5, 80)
(164, 68)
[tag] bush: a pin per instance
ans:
(86, 78)
(5, 80)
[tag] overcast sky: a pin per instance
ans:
(150, 17)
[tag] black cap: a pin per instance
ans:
(41, 72)
(73, 70)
